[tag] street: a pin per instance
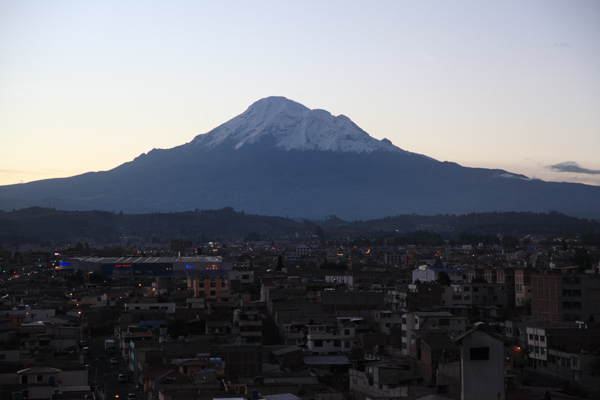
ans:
(105, 376)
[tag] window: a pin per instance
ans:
(479, 353)
(571, 317)
(213, 293)
(531, 336)
(444, 321)
(542, 338)
(318, 343)
(39, 378)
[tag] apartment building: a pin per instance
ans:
(558, 297)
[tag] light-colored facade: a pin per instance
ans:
(482, 366)
(327, 339)
(425, 273)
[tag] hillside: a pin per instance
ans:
(44, 225)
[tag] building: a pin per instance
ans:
(148, 267)
(208, 287)
(482, 364)
(330, 339)
(413, 322)
(523, 287)
(560, 297)
(249, 322)
(426, 273)
(563, 349)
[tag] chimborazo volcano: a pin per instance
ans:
(281, 158)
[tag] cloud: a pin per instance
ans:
(572, 167)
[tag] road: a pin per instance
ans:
(104, 375)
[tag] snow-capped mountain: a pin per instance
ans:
(281, 158)
(293, 127)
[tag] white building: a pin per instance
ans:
(425, 273)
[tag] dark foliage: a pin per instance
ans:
(44, 225)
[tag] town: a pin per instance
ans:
(299, 318)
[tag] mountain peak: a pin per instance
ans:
(274, 105)
(293, 127)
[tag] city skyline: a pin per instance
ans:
(511, 85)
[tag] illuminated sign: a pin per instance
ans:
(188, 266)
(122, 265)
(65, 263)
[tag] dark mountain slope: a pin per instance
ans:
(279, 158)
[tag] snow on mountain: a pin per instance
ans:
(294, 127)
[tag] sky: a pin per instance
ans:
(89, 85)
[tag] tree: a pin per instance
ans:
(252, 237)
(279, 263)
(96, 277)
(444, 279)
